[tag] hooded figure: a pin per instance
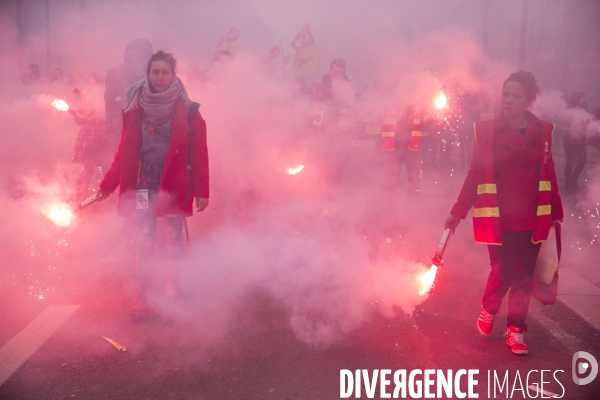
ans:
(135, 58)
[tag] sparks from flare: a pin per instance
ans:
(60, 213)
(295, 170)
(441, 101)
(427, 279)
(60, 105)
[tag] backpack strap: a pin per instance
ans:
(191, 113)
(193, 108)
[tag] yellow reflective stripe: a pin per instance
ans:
(417, 121)
(416, 133)
(388, 134)
(320, 112)
(317, 123)
(389, 122)
(545, 185)
(345, 111)
(544, 210)
(486, 212)
(486, 188)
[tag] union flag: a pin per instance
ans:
(306, 60)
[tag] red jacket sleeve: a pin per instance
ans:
(199, 158)
(112, 178)
(468, 193)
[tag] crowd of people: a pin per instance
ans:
(160, 165)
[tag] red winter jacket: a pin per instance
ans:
(179, 185)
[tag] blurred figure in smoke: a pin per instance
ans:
(595, 140)
(223, 60)
(90, 145)
(408, 147)
(161, 166)
(335, 76)
(466, 102)
(334, 125)
(136, 56)
(512, 184)
(57, 76)
(574, 141)
(31, 75)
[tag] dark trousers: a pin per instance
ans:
(412, 161)
(512, 268)
(575, 157)
(145, 240)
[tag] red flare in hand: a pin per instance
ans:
(60, 105)
(295, 170)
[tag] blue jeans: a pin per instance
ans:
(145, 241)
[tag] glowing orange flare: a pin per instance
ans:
(427, 279)
(60, 105)
(440, 101)
(295, 170)
(60, 213)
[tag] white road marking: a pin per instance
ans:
(25, 343)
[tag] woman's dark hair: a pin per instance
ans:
(162, 56)
(575, 99)
(527, 79)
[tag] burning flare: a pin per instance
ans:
(60, 105)
(441, 101)
(427, 279)
(60, 213)
(295, 170)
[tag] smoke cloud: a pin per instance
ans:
(332, 256)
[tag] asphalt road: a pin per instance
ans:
(261, 358)
(258, 355)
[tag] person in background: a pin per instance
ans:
(334, 127)
(408, 147)
(512, 184)
(594, 140)
(336, 75)
(223, 60)
(161, 166)
(57, 76)
(135, 57)
(91, 139)
(574, 141)
(470, 113)
(31, 75)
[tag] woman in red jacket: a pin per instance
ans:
(512, 185)
(161, 166)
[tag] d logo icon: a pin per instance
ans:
(583, 367)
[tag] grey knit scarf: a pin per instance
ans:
(157, 107)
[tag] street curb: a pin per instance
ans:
(582, 297)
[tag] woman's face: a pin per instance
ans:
(514, 100)
(160, 75)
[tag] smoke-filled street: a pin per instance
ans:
(269, 200)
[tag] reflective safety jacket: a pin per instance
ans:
(391, 126)
(540, 204)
